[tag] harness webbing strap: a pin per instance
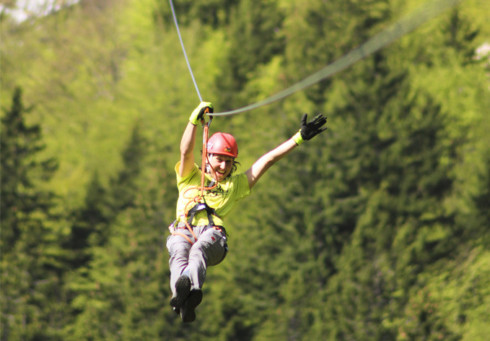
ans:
(201, 207)
(204, 152)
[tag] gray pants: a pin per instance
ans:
(210, 249)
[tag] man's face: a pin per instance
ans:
(221, 165)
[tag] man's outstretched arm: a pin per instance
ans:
(308, 131)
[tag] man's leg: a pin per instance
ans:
(178, 248)
(210, 249)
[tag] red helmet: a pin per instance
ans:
(223, 144)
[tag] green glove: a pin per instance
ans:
(200, 111)
(309, 130)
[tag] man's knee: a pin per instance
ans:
(213, 245)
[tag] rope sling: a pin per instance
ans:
(199, 200)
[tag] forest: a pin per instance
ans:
(377, 229)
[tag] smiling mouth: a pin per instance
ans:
(221, 173)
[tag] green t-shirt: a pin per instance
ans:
(222, 197)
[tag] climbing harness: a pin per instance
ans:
(199, 200)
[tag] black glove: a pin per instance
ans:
(313, 128)
(200, 111)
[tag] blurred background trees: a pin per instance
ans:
(375, 230)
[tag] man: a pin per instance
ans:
(198, 237)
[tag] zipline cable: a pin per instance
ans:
(183, 50)
(392, 33)
(380, 40)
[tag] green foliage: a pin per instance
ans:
(215, 13)
(255, 41)
(21, 202)
(31, 260)
(375, 230)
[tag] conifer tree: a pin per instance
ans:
(254, 28)
(460, 36)
(92, 221)
(92, 216)
(20, 143)
(123, 188)
(475, 225)
(393, 161)
(208, 12)
(118, 237)
(30, 264)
